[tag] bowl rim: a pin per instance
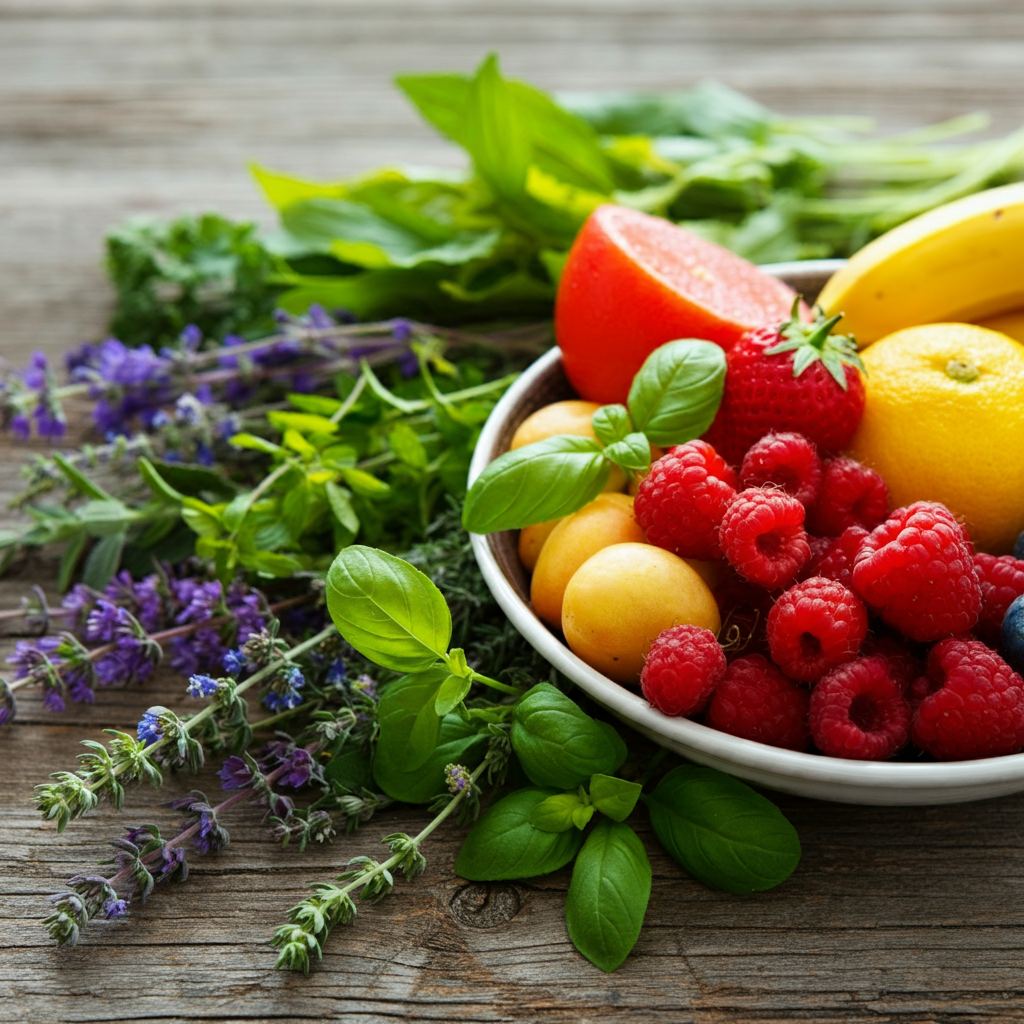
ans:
(750, 758)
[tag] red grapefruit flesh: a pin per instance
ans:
(633, 282)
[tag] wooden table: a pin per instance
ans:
(112, 107)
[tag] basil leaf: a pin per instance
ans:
(720, 830)
(581, 815)
(632, 452)
(611, 423)
(555, 814)
(536, 483)
(608, 894)
(397, 767)
(558, 744)
(387, 610)
(675, 396)
(451, 693)
(441, 98)
(503, 844)
(615, 798)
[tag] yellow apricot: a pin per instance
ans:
(608, 519)
(569, 417)
(621, 598)
(531, 542)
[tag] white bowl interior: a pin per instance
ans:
(813, 775)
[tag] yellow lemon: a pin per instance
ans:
(944, 421)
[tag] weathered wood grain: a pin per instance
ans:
(112, 107)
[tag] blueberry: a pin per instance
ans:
(1018, 548)
(1013, 635)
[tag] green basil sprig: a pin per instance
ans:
(673, 399)
(503, 844)
(720, 830)
(558, 744)
(675, 396)
(608, 894)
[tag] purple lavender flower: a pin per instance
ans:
(32, 654)
(34, 375)
(79, 683)
(53, 700)
(50, 422)
(21, 427)
(115, 908)
(80, 601)
(142, 598)
(408, 364)
(175, 864)
(283, 694)
(199, 599)
(456, 778)
(319, 317)
(336, 673)
(299, 767)
(235, 773)
(401, 329)
(149, 727)
(8, 706)
(104, 621)
(235, 663)
(202, 686)
(190, 337)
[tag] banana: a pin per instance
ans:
(1011, 323)
(960, 262)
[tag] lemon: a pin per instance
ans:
(944, 421)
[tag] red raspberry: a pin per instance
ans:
(681, 501)
(1002, 580)
(762, 536)
(837, 563)
(744, 609)
(815, 626)
(682, 669)
(786, 460)
(916, 572)
(851, 495)
(858, 711)
(757, 702)
(904, 665)
(975, 707)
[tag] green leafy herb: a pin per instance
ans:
(503, 844)
(536, 483)
(676, 394)
(387, 610)
(409, 765)
(720, 830)
(612, 423)
(558, 813)
(560, 745)
(608, 894)
(614, 797)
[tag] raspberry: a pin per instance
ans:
(904, 665)
(786, 460)
(851, 495)
(837, 563)
(916, 572)
(757, 702)
(682, 669)
(976, 707)
(858, 711)
(744, 609)
(762, 536)
(1002, 580)
(815, 626)
(681, 501)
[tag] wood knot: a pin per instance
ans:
(485, 904)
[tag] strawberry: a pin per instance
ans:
(796, 377)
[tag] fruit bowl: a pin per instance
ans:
(900, 783)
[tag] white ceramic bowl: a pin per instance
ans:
(813, 775)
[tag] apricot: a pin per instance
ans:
(621, 598)
(608, 519)
(569, 417)
(532, 540)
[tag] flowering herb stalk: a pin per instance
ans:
(163, 738)
(311, 921)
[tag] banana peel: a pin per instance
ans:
(962, 262)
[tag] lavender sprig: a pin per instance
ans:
(129, 759)
(135, 853)
(311, 921)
